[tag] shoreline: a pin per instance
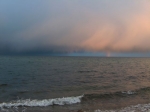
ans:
(132, 108)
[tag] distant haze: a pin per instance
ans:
(70, 26)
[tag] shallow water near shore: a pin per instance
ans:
(69, 84)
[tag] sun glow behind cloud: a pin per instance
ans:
(129, 31)
(75, 26)
(132, 36)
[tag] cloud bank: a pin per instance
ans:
(74, 26)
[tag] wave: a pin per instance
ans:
(42, 103)
(108, 95)
(87, 71)
(118, 94)
(72, 100)
(61, 101)
(2, 85)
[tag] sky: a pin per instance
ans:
(75, 27)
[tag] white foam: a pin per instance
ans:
(129, 92)
(45, 102)
(135, 108)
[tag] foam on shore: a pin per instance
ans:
(135, 108)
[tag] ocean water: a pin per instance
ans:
(69, 84)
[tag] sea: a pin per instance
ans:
(74, 84)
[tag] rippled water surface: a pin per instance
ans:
(106, 80)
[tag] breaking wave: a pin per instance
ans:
(118, 94)
(109, 95)
(42, 103)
